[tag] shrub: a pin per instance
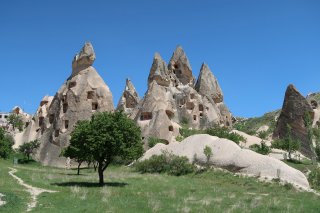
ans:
(263, 134)
(153, 141)
(261, 149)
(29, 148)
(6, 143)
(207, 151)
(223, 132)
(314, 178)
(165, 163)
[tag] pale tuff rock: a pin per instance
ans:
(180, 66)
(293, 111)
(83, 59)
(171, 100)
(207, 85)
(83, 94)
(250, 139)
(228, 155)
(129, 99)
(159, 71)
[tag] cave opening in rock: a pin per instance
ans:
(200, 107)
(94, 106)
(41, 119)
(51, 118)
(56, 133)
(72, 84)
(190, 105)
(171, 128)
(90, 94)
(146, 116)
(194, 117)
(66, 124)
(65, 107)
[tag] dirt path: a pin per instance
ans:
(1, 201)
(34, 191)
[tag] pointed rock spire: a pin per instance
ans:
(159, 71)
(294, 109)
(83, 59)
(208, 85)
(180, 66)
(129, 98)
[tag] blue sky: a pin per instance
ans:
(255, 48)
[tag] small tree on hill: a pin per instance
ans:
(288, 143)
(207, 151)
(29, 148)
(308, 124)
(6, 144)
(78, 149)
(109, 135)
(16, 121)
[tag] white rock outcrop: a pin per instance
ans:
(228, 155)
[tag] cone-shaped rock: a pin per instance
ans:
(180, 66)
(83, 94)
(208, 85)
(294, 109)
(129, 99)
(159, 71)
(83, 59)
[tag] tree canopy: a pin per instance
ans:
(6, 143)
(29, 148)
(106, 136)
(16, 121)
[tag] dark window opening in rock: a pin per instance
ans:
(66, 124)
(227, 123)
(176, 66)
(90, 94)
(72, 84)
(174, 71)
(182, 101)
(201, 114)
(314, 104)
(174, 97)
(194, 117)
(56, 133)
(190, 105)
(51, 118)
(27, 124)
(0, 116)
(94, 106)
(41, 121)
(192, 96)
(171, 128)
(169, 113)
(43, 103)
(207, 108)
(6, 116)
(64, 98)
(146, 116)
(65, 107)
(142, 138)
(200, 107)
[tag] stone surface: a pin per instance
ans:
(228, 155)
(250, 139)
(83, 94)
(294, 108)
(171, 100)
(207, 85)
(129, 99)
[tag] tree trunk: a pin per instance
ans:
(95, 167)
(79, 164)
(289, 155)
(100, 171)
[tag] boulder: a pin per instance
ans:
(228, 155)
(83, 59)
(294, 109)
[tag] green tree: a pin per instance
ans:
(78, 147)
(29, 148)
(16, 121)
(110, 135)
(6, 143)
(288, 143)
(207, 151)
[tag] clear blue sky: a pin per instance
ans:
(255, 48)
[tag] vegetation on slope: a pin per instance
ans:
(251, 125)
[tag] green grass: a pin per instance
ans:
(129, 191)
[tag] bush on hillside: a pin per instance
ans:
(152, 141)
(314, 178)
(261, 149)
(263, 134)
(6, 143)
(166, 163)
(223, 132)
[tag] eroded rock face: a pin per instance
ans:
(228, 155)
(171, 100)
(83, 59)
(83, 94)
(207, 85)
(129, 99)
(293, 112)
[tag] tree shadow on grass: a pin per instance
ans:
(90, 184)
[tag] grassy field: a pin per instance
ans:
(129, 191)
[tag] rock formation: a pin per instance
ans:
(172, 99)
(293, 112)
(228, 155)
(83, 94)
(129, 99)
